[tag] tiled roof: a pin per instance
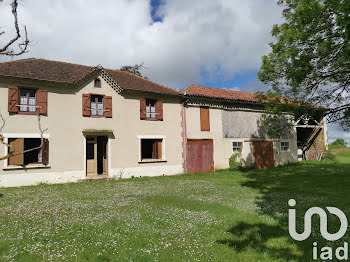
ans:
(127, 80)
(218, 93)
(62, 72)
(41, 69)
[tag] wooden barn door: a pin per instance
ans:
(200, 155)
(263, 154)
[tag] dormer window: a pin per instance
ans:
(97, 83)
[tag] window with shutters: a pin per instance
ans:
(204, 118)
(151, 149)
(27, 101)
(151, 109)
(37, 156)
(97, 105)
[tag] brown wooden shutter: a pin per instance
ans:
(155, 150)
(17, 145)
(45, 151)
(142, 108)
(159, 109)
(13, 100)
(41, 101)
(205, 121)
(107, 106)
(159, 149)
(86, 105)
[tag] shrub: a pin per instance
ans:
(234, 161)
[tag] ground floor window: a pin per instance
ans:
(37, 156)
(151, 149)
(237, 146)
(284, 146)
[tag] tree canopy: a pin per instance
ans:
(310, 59)
(338, 143)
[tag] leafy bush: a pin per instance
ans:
(338, 143)
(234, 161)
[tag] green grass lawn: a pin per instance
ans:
(221, 216)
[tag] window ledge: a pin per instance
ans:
(25, 167)
(152, 161)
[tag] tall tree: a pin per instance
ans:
(20, 38)
(310, 59)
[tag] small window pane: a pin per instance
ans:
(93, 108)
(150, 108)
(100, 109)
(237, 146)
(284, 146)
(23, 100)
(32, 103)
(90, 151)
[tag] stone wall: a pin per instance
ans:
(317, 144)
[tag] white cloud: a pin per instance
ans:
(234, 88)
(226, 37)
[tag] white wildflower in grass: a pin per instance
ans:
(221, 216)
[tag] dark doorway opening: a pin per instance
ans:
(101, 154)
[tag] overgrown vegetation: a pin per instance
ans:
(328, 155)
(309, 59)
(203, 217)
(235, 162)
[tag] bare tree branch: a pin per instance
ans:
(22, 45)
(136, 69)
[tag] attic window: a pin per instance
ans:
(97, 83)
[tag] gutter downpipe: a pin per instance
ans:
(184, 130)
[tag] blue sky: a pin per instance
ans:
(213, 43)
(154, 7)
(208, 78)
